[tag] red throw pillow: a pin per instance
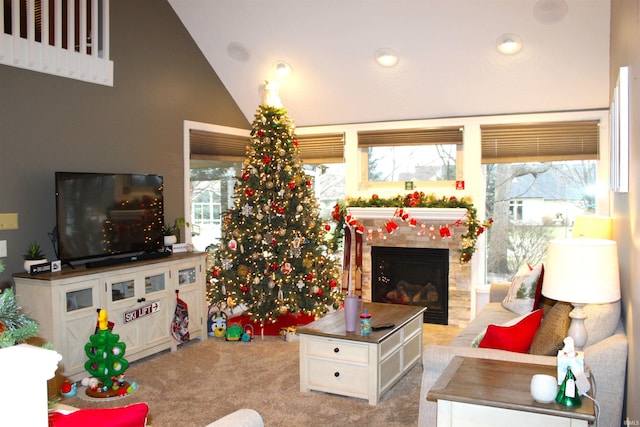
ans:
(134, 415)
(517, 337)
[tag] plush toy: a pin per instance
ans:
(218, 324)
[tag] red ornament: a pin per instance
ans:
(309, 276)
(327, 227)
(244, 289)
(295, 142)
(292, 185)
(280, 210)
(249, 192)
(375, 197)
(320, 292)
(266, 160)
(274, 266)
(216, 272)
(261, 133)
(245, 176)
(332, 283)
(308, 183)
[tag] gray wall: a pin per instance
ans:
(625, 51)
(50, 123)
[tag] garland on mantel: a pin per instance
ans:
(475, 227)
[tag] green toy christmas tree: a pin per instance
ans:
(272, 258)
(106, 355)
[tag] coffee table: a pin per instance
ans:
(487, 392)
(346, 363)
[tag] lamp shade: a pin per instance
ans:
(593, 226)
(582, 271)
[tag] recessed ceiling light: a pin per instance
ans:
(509, 44)
(282, 69)
(386, 57)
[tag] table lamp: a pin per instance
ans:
(581, 271)
(593, 226)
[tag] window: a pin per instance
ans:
(419, 155)
(539, 177)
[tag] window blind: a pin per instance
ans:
(321, 148)
(421, 136)
(540, 142)
(207, 145)
(318, 148)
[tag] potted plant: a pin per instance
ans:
(33, 255)
(172, 231)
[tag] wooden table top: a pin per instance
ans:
(333, 324)
(501, 384)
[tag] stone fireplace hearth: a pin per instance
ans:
(406, 236)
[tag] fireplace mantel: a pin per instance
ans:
(420, 214)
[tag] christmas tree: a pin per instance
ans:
(272, 258)
(15, 326)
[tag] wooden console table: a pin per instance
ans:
(346, 363)
(487, 392)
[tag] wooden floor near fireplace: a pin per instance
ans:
(439, 334)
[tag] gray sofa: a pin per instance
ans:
(605, 354)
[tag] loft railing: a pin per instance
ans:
(67, 38)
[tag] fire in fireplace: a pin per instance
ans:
(412, 276)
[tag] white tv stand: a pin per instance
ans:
(65, 305)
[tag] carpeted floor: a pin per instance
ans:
(204, 381)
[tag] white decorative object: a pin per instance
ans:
(27, 370)
(544, 388)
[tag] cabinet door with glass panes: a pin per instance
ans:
(137, 306)
(80, 302)
(189, 285)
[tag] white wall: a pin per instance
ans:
(625, 51)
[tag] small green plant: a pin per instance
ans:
(33, 252)
(174, 229)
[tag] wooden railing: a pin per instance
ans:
(67, 38)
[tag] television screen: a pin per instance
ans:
(101, 214)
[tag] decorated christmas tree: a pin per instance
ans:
(273, 258)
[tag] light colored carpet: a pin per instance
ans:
(204, 381)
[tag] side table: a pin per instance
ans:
(486, 392)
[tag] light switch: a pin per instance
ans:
(3, 248)
(8, 221)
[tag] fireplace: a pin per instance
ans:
(459, 280)
(412, 276)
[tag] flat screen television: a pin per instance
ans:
(105, 214)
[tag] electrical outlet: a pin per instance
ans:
(3, 248)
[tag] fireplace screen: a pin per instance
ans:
(412, 276)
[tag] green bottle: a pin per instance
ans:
(568, 394)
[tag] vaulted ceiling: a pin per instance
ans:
(448, 62)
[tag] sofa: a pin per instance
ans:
(605, 353)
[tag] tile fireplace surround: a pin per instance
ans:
(460, 275)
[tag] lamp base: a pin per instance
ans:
(577, 330)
